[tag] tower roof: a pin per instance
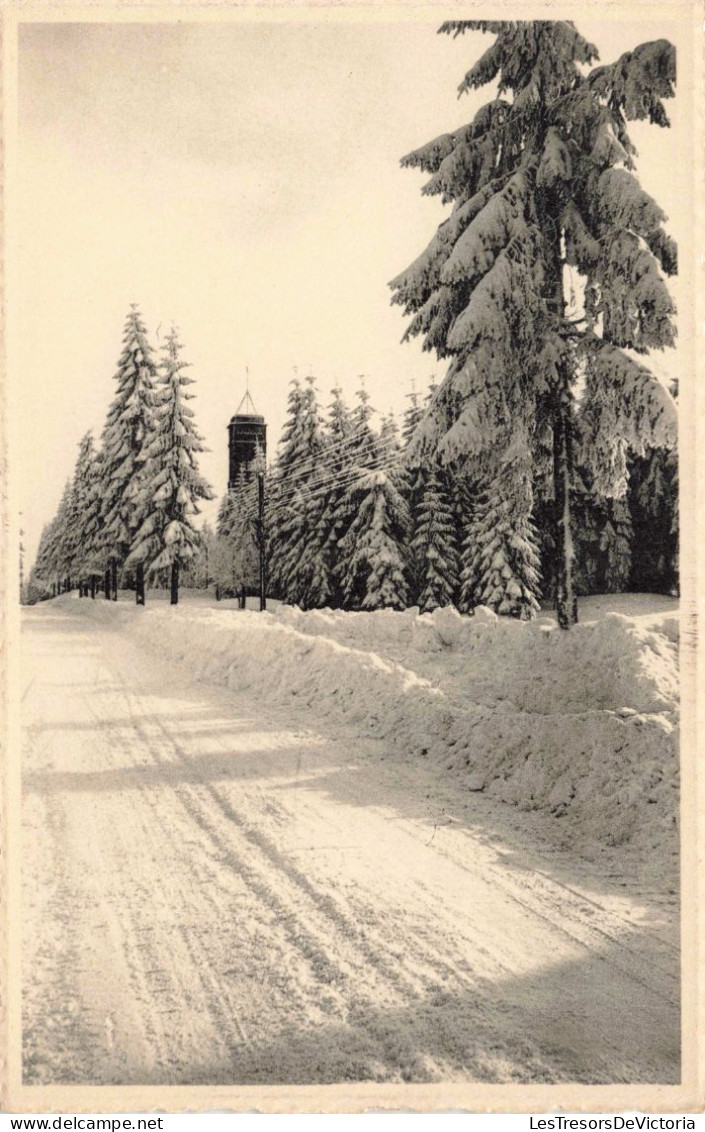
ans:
(246, 400)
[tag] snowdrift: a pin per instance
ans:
(580, 725)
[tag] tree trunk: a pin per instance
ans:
(566, 598)
(113, 579)
(93, 585)
(107, 583)
(174, 583)
(139, 584)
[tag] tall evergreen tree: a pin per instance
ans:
(326, 513)
(201, 571)
(302, 577)
(412, 482)
(61, 548)
(294, 507)
(236, 556)
(500, 558)
(339, 424)
(171, 486)
(541, 181)
(434, 545)
(93, 524)
(127, 430)
(45, 566)
(302, 436)
(80, 509)
(373, 567)
(465, 500)
(291, 448)
(366, 447)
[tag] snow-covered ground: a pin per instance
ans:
(580, 725)
(276, 848)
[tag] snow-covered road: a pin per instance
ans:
(216, 891)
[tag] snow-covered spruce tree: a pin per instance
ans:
(299, 463)
(303, 575)
(500, 558)
(467, 580)
(339, 423)
(41, 573)
(412, 481)
(235, 560)
(36, 588)
(222, 559)
(366, 442)
(434, 544)
(373, 565)
(50, 560)
(93, 525)
(81, 511)
(302, 439)
(243, 534)
(170, 484)
(464, 494)
(237, 556)
(200, 571)
(324, 511)
(61, 545)
(127, 430)
(70, 534)
(45, 569)
(541, 181)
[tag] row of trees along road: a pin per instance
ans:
(129, 509)
(352, 525)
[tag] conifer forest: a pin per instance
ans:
(542, 467)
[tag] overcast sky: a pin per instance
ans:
(242, 180)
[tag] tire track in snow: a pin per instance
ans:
(415, 988)
(341, 934)
(326, 904)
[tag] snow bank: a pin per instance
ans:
(580, 725)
